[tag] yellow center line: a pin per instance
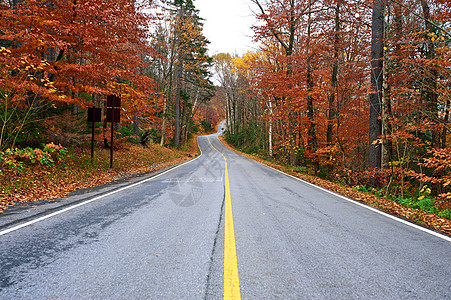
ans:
(231, 278)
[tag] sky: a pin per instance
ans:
(227, 25)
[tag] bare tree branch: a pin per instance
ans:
(276, 35)
(423, 18)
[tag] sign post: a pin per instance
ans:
(113, 114)
(94, 115)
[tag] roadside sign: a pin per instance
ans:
(94, 114)
(113, 114)
(109, 114)
(113, 101)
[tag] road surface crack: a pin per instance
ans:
(213, 251)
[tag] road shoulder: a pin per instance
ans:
(25, 211)
(420, 218)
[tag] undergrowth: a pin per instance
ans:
(422, 201)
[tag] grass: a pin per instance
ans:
(446, 214)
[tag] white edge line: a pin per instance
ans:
(373, 209)
(6, 231)
(439, 235)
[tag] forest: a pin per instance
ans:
(353, 91)
(356, 92)
(59, 59)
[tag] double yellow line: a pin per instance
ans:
(231, 278)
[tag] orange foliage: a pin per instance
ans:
(73, 52)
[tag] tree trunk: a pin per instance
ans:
(331, 114)
(445, 124)
(270, 129)
(177, 108)
(183, 123)
(163, 124)
(377, 62)
(136, 125)
(430, 94)
(105, 128)
(312, 142)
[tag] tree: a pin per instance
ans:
(62, 53)
(377, 61)
(183, 74)
(246, 128)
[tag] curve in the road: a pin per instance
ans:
(166, 239)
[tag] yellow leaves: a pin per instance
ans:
(44, 63)
(434, 37)
(378, 141)
(394, 163)
(49, 84)
(239, 62)
(5, 51)
(240, 66)
(426, 190)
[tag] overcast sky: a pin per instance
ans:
(227, 25)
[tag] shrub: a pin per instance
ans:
(446, 214)
(16, 159)
(206, 126)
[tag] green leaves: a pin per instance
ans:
(16, 159)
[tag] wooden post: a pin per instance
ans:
(112, 138)
(94, 115)
(113, 105)
(92, 140)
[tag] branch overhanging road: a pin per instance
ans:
(164, 238)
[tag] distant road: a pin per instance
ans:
(162, 237)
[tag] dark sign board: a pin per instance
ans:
(113, 101)
(117, 114)
(94, 114)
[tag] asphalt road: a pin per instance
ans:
(162, 237)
